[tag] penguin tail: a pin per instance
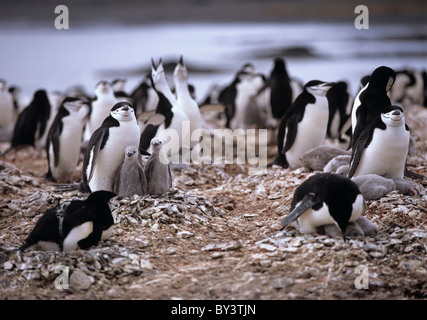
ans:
(72, 187)
(280, 160)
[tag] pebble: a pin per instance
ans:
(282, 283)
(80, 280)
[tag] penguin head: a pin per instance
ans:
(123, 111)
(317, 87)
(393, 116)
(100, 198)
(156, 143)
(73, 104)
(131, 152)
(103, 87)
(382, 78)
(2, 85)
(157, 72)
(180, 73)
(118, 85)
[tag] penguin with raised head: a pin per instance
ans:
(383, 146)
(107, 146)
(175, 123)
(32, 121)
(100, 108)
(65, 137)
(371, 100)
(325, 199)
(130, 178)
(157, 172)
(71, 225)
(184, 99)
(304, 125)
(7, 112)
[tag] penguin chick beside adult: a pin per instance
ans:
(304, 125)
(157, 172)
(77, 224)
(107, 146)
(64, 139)
(325, 199)
(383, 146)
(130, 178)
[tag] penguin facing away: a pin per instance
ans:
(371, 100)
(325, 199)
(338, 98)
(106, 148)
(32, 121)
(65, 137)
(304, 125)
(383, 146)
(130, 178)
(77, 224)
(158, 174)
(281, 91)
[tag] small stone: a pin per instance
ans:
(290, 249)
(8, 265)
(265, 263)
(184, 234)
(79, 280)
(282, 283)
(119, 261)
(30, 275)
(217, 255)
(267, 247)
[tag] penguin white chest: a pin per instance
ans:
(386, 154)
(311, 219)
(69, 147)
(311, 131)
(111, 156)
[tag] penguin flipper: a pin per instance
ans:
(307, 202)
(358, 148)
(95, 151)
(90, 240)
(54, 138)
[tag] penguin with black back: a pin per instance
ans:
(107, 146)
(304, 125)
(371, 100)
(338, 98)
(32, 121)
(71, 225)
(65, 137)
(325, 199)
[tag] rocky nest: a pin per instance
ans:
(216, 235)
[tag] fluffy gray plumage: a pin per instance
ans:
(158, 174)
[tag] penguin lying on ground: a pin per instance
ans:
(374, 187)
(130, 178)
(325, 199)
(157, 172)
(73, 224)
(316, 159)
(64, 139)
(303, 127)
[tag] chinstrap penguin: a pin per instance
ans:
(383, 146)
(71, 225)
(304, 125)
(325, 199)
(107, 146)
(64, 139)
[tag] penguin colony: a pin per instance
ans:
(119, 138)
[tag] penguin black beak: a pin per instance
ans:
(181, 61)
(328, 84)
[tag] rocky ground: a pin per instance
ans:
(216, 235)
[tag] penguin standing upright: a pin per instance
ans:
(338, 98)
(6, 111)
(65, 138)
(175, 118)
(106, 148)
(55, 100)
(32, 121)
(325, 199)
(184, 99)
(304, 125)
(371, 100)
(73, 224)
(101, 107)
(280, 89)
(383, 146)
(144, 96)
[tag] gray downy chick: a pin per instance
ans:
(158, 174)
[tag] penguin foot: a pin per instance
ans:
(280, 160)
